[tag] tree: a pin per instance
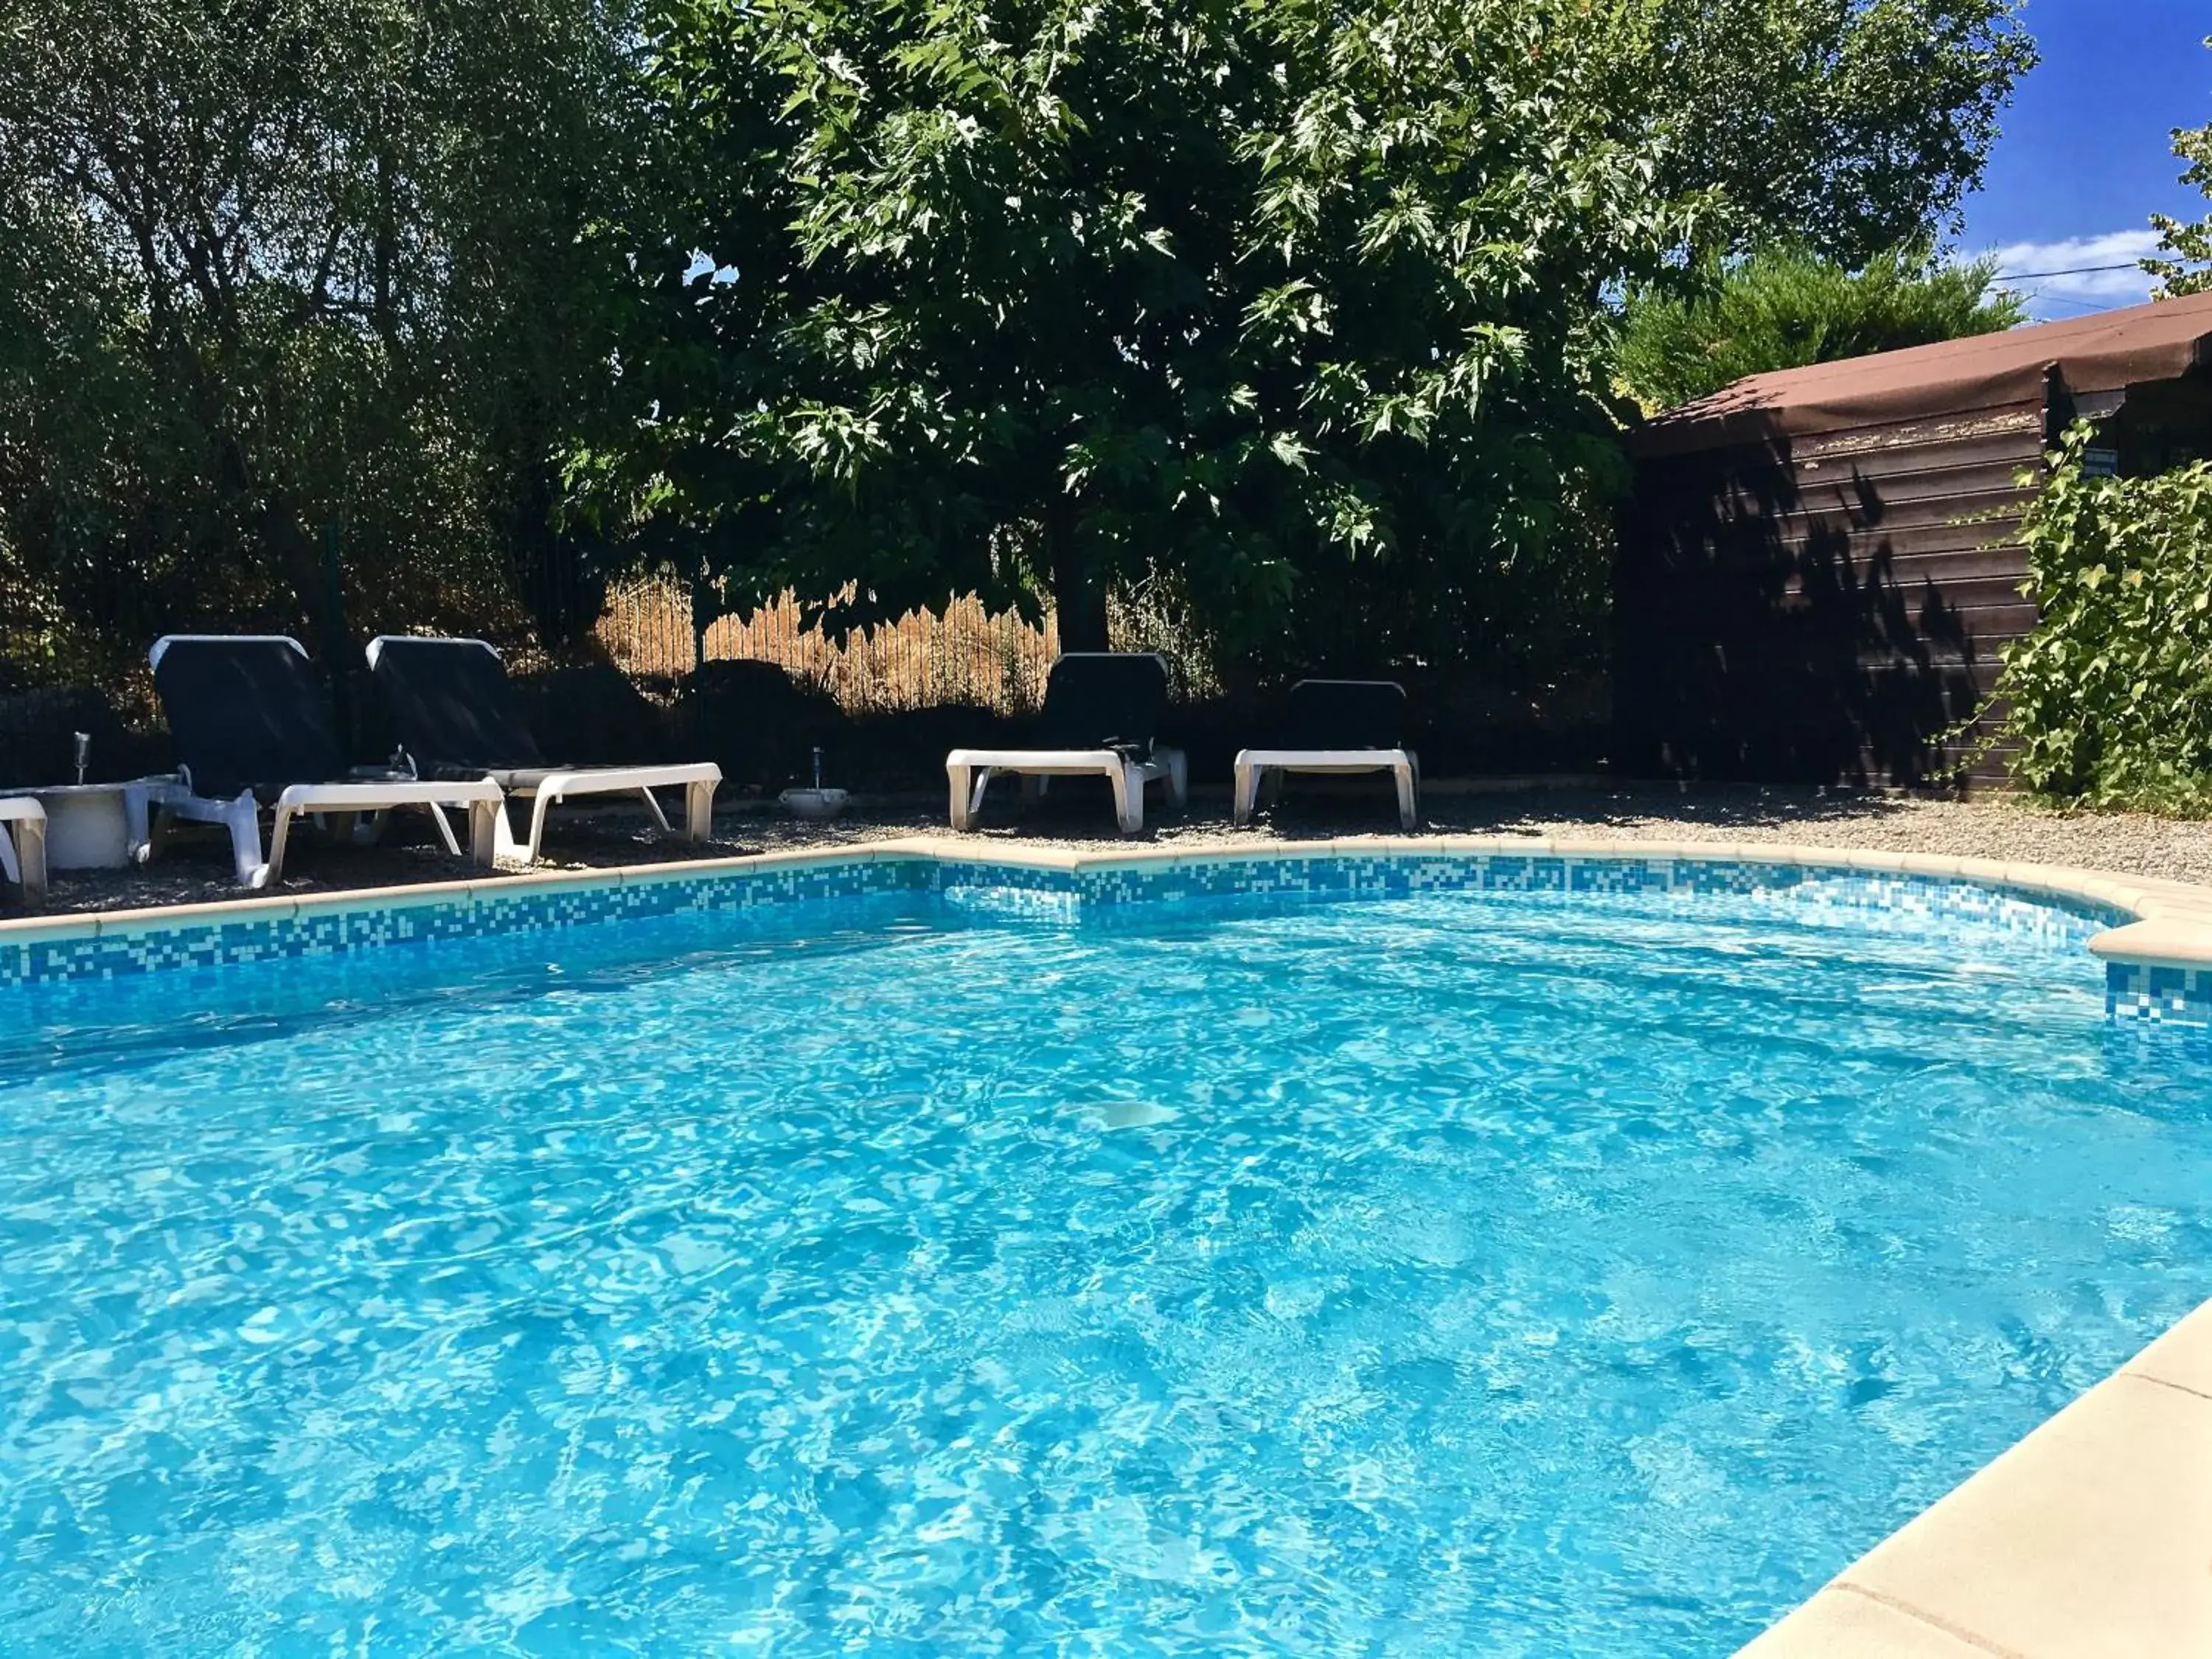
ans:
(1784, 307)
(1845, 127)
(2186, 267)
(1301, 305)
(1068, 292)
(294, 268)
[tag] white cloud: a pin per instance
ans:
(2082, 289)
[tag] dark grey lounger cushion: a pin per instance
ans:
(1105, 700)
(1345, 714)
(453, 708)
(247, 713)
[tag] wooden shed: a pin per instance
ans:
(1819, 567)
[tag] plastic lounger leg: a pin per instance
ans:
(10, 869)
(32, 850)
(1179, 780)
(242, 817)
(652, 811)
(504, 845)
(245, 842)
(445, 828)
(699, 810)
(487, 818)
(1245, 795)
(31, 855)
(157, 836)
(1409, 812)
(137, 829)
(1129, 799)
(956, 779)
(539, 808)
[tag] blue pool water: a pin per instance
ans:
(1462, 1274)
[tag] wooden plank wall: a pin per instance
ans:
(1823, 610)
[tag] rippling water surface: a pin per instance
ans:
(1464, 1275)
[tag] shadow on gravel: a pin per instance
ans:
(1076, 816)
(1714, 806)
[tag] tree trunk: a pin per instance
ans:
(383, 244)
(1078, 601)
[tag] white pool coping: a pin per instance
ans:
(2090, 1539)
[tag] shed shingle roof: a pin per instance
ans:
(2103, 353)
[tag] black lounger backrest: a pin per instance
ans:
(1346, 715)
(247, 712)
(1105, 700)
(453, 706)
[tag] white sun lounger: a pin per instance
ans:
(969, 772)
(545, 790)
(247, 714)
(345, 803)
(23, 853)
(456, 714)
(1100, 711)
(1254, 766)
(1335, 726)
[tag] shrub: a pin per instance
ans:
(1782, 308)
(2111, 697)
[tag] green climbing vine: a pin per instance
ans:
(2110, 699)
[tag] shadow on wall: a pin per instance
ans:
(1825, 619)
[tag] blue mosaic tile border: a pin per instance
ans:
(1018, 891)
(154, 948)
(2140, 991)
(1801, 886)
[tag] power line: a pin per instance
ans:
(2078, 270)
(2085, 307)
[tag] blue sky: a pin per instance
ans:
(2086, 155)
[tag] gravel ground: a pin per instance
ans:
(196, 869)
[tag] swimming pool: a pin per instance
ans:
(924, 1272)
